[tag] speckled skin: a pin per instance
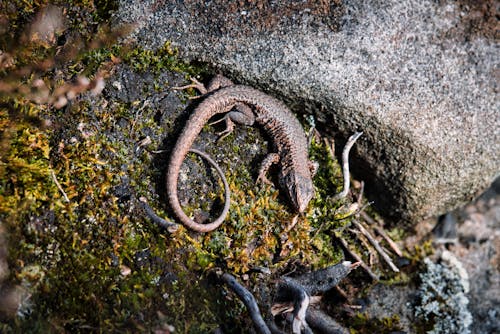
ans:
(289, 142)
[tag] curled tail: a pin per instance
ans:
(176, 207)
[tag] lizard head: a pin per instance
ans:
(299, 189)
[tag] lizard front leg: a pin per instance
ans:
(269, 160)
(242, 114)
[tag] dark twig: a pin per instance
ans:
(320, 281)
(248, 299)
(341, 292)
(345, 164)
(324, 323)
(169, 226)
(376, 245)
(301, 301)
(381, 232)
(357, 258)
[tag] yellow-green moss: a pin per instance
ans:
(94, 230)
(93, 260)
(361, 323)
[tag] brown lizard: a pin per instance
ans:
(289, 142)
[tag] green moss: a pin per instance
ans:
(89, 257)
(362, 323)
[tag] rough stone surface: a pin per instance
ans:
(418, 77)
(475, 256)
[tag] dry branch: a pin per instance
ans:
(381, 232)
(58, 185)
(376, 245)
(345, 164)
(248, 299)
(169, 226)
(358, 259)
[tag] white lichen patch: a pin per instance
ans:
(442, 295)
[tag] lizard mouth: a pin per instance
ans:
(301, 193)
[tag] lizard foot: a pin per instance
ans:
(263, 179)
(313, 167)
(269, 160)
(196, 85)
(229, 127)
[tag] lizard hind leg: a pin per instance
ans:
(269, 160)
(196, 85)
(219, 81)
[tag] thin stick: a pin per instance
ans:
(341, 292)
(330, 147)
(345, 164)
(357, 258)
(381, 232)
(169, 226)
(249, 300)
(301, 302)
(58, 185)
(324, 323)
(375, 244)
(361, 191)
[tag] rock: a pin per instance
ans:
(479, 251)
(418, 77)
(463, 282)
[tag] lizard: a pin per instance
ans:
(246, 105)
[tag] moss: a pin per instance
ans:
(94, 235)
(84, 250)
(361, 323)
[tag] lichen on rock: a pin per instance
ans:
(442, 306)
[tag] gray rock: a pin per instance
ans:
(418, 77)
(462, 282)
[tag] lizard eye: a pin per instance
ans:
(299, 189)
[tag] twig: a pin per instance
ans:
(301, 302)
(375, 244)
(360, 196)
(295, 219)
(330, 147)
(381, 232)
(341, 292)
(169, 226)
(320, 281)
(367, 245)
(248, 299)
(324, 323)
(345, 164)
(58, 185)
(357, 258)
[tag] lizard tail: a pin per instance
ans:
(174, 201)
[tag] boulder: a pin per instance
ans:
(419, 78)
